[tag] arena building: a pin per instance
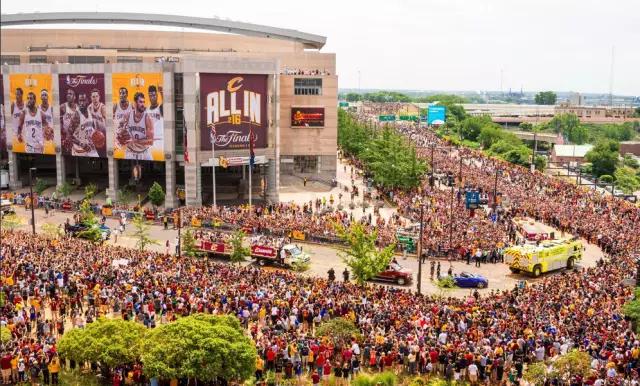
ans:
(129, 107)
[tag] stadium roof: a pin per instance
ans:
(202, 23)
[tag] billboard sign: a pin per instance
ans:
(31, 110)
(83, 115)
(436, 115)
(138, 117)
(232, 105)
(307, 117)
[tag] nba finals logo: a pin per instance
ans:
(137, 81)
(217, 102)
(29, 82)
(75, 81)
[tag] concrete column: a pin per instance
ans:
(60, 169)
(273, 174)
(14, 180)
(112, 168)
(192, 171)
(112, 164)
(170, 200)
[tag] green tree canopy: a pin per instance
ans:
(362, 256)
(110, 342)
(202, 347)
(239, 250)
(472, 126)
(339, 329)
(603, 157)
(156, 194)
(141, 232)
(627, 180)
(546, 98)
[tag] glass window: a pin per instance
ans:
(10, 59)
(38, 59)
(307, 86)
(129, 59)
(86, 59)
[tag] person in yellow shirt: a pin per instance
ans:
(54, 369)
(259, 367)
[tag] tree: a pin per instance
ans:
(125, 195)
(51, 231)
(353, 97)
(572, 364)
(90, 190)
(569, 125)
(546, 98)
(526, 126)
(472, 126)
(11, 221)
(626, 180)
(603, 157)
(141, 232)
(92, 230)
(110, 342)
(156, 194)
(631, 162)
(631, 309)
(239, 251)
(489, 135)
(536, 373)
(188, 244)
(362, 256)
(201, 347)
(339, 329)
(64, 190)
(40, 186)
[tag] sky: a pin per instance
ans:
(560, 45)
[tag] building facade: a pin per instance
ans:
(262, 91)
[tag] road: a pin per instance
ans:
(325, 257)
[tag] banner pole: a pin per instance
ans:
(213, 166)
(250, 185)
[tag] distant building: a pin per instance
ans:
(575, 99)
(608, 113)
(563, 154)
(630, 147)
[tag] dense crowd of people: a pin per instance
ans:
(483, 339)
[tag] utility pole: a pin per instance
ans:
(179, 235)
(431, 179)
(420, 248)
(535, 150)
(451, 223)
(32, 172)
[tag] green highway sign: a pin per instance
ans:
(408, 117)
(344, 104)
(386, 118)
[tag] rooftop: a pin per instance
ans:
(571, 150)
(209, 24)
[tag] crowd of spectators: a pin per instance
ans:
(486, 339)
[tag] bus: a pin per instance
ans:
(547, 256)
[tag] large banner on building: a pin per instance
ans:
(31, 110)
(83, 115)
(138, 116)
(232, 104)
(3, 121)
(307, 117)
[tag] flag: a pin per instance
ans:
(184, 141)
(213, 134)
(252, 155)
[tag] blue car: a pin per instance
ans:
(470, 280)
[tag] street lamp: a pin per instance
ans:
(495, 192)
(419, 284)
(179, 236)
(32, 172)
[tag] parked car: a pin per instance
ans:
(470, 280)
(395, 273)
(74, 230)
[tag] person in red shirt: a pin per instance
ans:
(315, 378)
(5, 366)
(320, 360)
(327, 369)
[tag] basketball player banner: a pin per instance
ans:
(31, 111)
(138, 116)
(232, 104)
(83, 115)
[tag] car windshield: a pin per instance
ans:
(295, 251)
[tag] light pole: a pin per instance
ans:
(495, 193)
(431, 180)
(419, 284)
(179, 235)
(32, 172)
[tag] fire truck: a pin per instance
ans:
(547, 256)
